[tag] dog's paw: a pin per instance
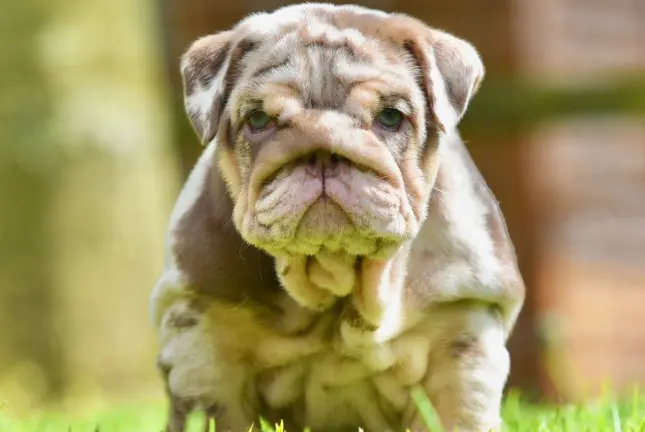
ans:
(181, 409)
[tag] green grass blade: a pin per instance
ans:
(426, 409)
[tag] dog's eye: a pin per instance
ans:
(258, 120)
(390, 118)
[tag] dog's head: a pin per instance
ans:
(327, 121)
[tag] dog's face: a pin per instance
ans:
(327, 121)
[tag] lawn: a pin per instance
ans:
(605, 415)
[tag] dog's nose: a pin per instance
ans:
(323, 163)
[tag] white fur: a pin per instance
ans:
(464, 264)
(443, 109)
(199, 102)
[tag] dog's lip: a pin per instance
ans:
(261, 177)
(323, 195)
(303, 161)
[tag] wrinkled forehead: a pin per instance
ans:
(302, 15)
(320, 53)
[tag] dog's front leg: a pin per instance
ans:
(211, 355)
(201, 374)
(467, 369)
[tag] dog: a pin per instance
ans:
(335, 246)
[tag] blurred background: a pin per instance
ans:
(94, 146)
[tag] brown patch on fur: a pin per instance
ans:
(415, 51)
(212, 254)
(205, 59)
(351, 316)
(265, 70)
(164, 369)
(178, 414)
(200, 65)
(182, 319)
(465, 346)
(244, 47)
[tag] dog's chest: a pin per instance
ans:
(329, 390)
(332, 392)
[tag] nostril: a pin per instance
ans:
(334, 159)
(312, 159)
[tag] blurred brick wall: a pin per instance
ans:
(588, 180)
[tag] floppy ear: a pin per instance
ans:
(461, 68)
(451, 69)
(203, 71)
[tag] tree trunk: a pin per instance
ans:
(29, 344)
(87, 180)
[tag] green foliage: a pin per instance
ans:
(606, 414)
(513, 103)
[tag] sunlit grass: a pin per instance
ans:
(606, 414)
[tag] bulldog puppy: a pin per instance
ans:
(334, 246)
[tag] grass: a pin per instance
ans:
(604, 415)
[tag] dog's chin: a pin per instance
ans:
(325, 225)
(356, 213)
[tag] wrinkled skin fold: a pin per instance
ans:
(334, 245)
